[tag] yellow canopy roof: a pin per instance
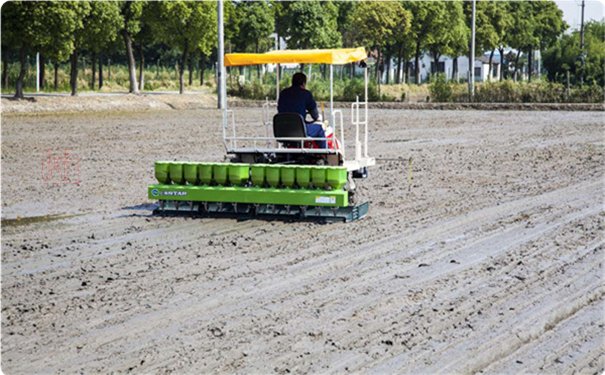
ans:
(338, 56)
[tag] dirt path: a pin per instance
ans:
(490, 261)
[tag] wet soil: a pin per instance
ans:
(487, 256)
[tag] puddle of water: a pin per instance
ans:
(18, 221)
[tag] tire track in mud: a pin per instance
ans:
(288, 290)
(534, 313)
(369, 302)
(585, 339)
(222, 306)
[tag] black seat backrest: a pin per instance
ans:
(289, 125)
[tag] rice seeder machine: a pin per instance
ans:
(280, 174)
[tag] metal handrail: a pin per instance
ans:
(342, 130)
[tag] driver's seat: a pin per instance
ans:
(289, 125)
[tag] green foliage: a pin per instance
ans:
(508, 91)
(345, 90)
(449, 33)
(310, 24)
(100, 26)
(440, 89)
(131, 12)
(186, 25)
(355, 87)
(377, 22)
(256, 23)
(565, 55)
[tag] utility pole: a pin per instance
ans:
(221, 71)
(471, 61)
(582, 56)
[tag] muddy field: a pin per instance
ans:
(489, 259)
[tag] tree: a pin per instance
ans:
(29, 27)
(256, 23)
(536, 25)
(522, 32)
(449, 33)
(486, 35)
(376, 23)
(549, 26)
(101, 21)
(186, 26)
(427, 16)
(145, 37)
(312, 24)
(501, 19)
(131, 12)
(564, 55)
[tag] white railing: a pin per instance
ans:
(342, 130)
(255, 143)
(357, 122)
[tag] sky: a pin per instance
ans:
(594, 10)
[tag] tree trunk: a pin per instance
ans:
(108, 69)
(377, 72)
(399, 61)
(141, 69)
(406, 72)
(489, 69)
(56, 81)
(182, 68)
(4, 70)
(191, 71)
(100, 73)
(93, 61)
(417, 63)
(501, 50)
(516, 66)
(132, 73)
(529, 64)
(42, 71)
(73, 73)
(19, 84)
(201, 70)
(455, 69)
(434, 71)
(388, 69)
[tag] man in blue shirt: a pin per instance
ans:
(299, 100)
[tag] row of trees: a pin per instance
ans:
(400, 30)
(61, 30)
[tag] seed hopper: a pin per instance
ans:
(275, 169)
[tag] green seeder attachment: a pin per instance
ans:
(252, 190)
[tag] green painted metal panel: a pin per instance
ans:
(303, 177)
(257, 174)
(162, 172)
(204, 171)
(336, 177)
(239, 174)
(176, 173)
(190, 172)
(318, 177)
(219, 173)
(238, 194)
(272, 175)
(287, 174)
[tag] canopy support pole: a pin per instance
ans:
(332, 122)
(277, 84)
(365, 78)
